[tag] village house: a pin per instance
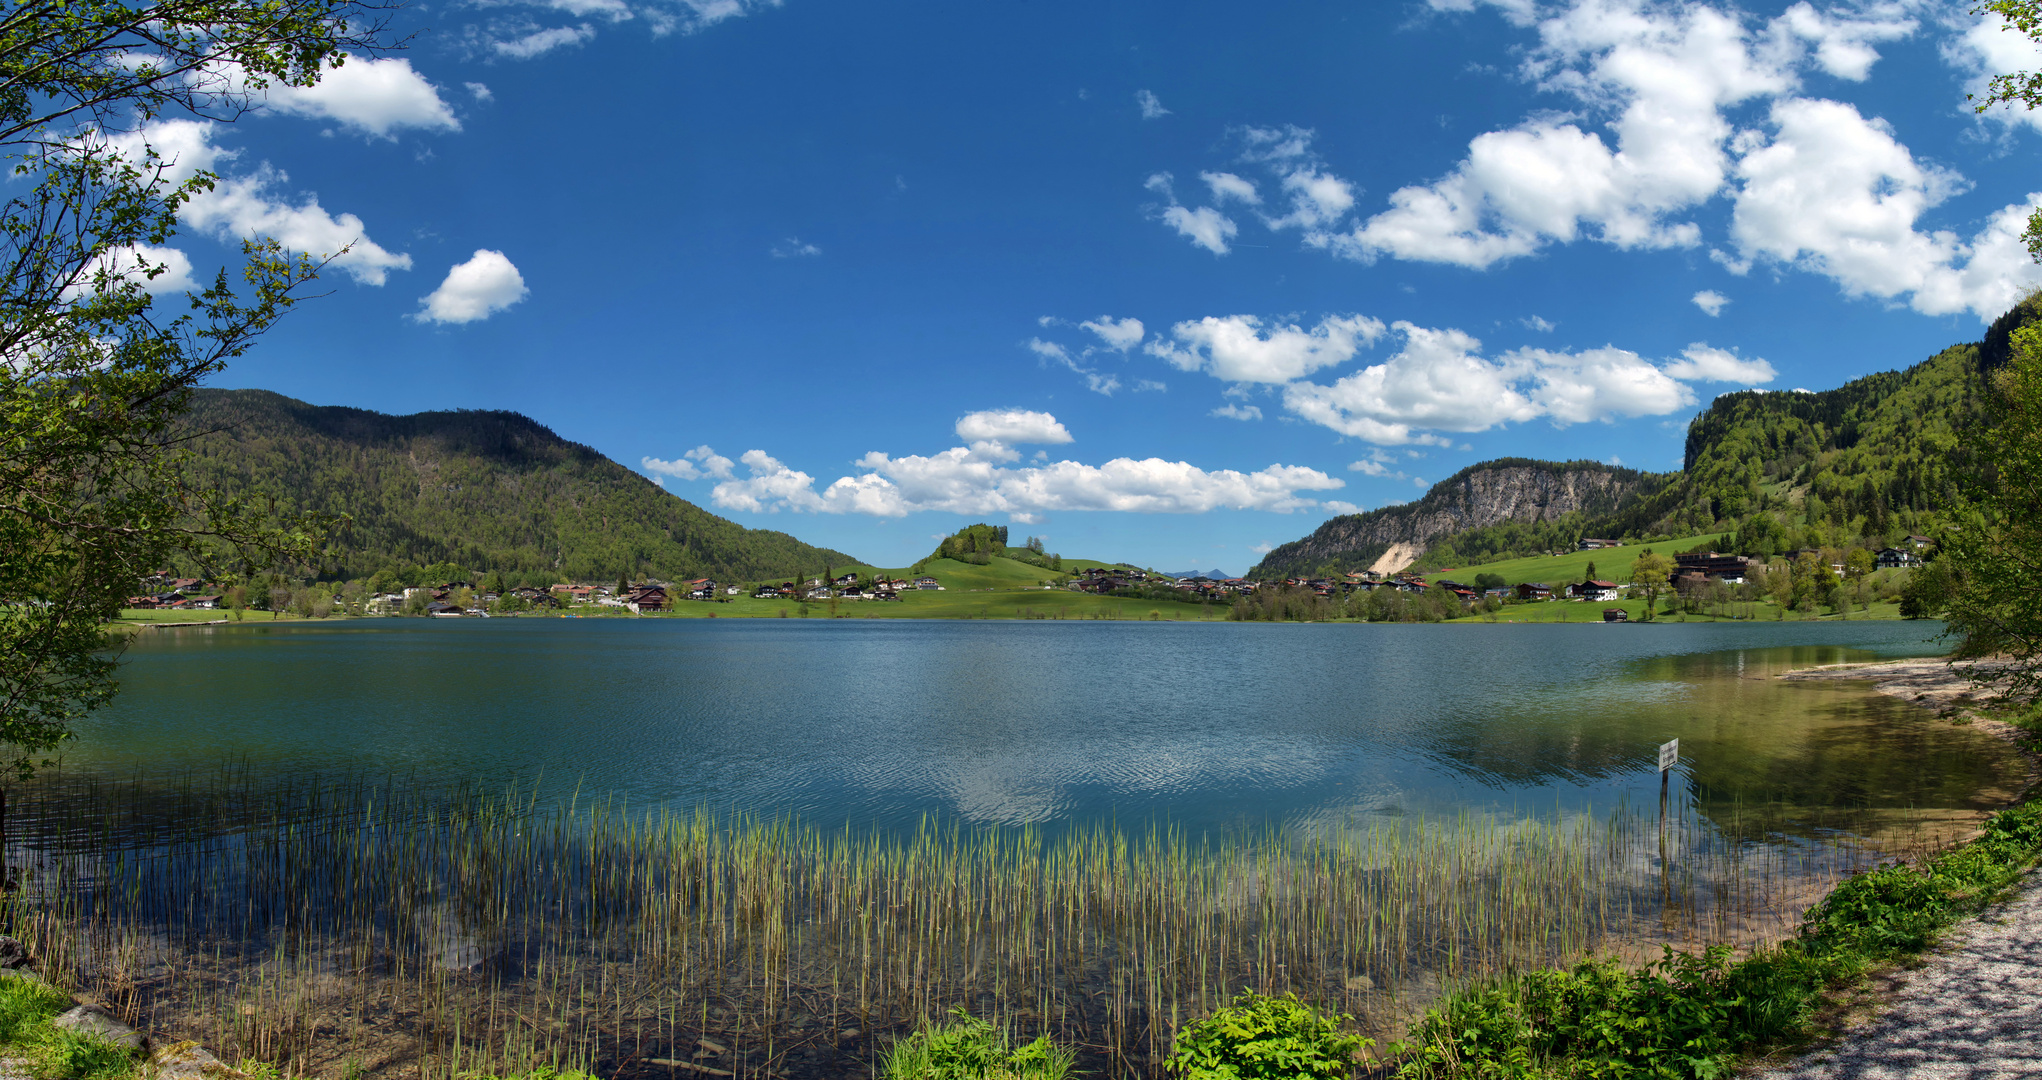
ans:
(1532, 590)
(1589, 544)
(1896, 558)
(768, 592)
(1601, 591)
(1729, 568)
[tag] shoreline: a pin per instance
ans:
(1933, 684)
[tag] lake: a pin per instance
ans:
(1209, 727)
(256, 848)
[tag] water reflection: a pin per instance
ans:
(1211, 728)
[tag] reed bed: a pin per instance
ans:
(360, 928)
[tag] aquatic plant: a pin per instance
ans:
(454, 933)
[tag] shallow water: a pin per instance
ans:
(1210, 728)
(1420, 805)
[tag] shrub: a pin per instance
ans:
(1266, 1038)
(968, 1048)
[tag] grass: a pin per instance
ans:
(452, 935)
(27, 1007)
(1611, 564)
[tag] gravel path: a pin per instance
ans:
(1973, 1011)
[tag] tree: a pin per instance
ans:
(93, 378)
(1651, 572)
(1994, 549)
(1859, 563)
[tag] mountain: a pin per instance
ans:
(1875, 458)
(1216, 575)
(1510, 490)
(486, 491)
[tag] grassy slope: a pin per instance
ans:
(1611, 564)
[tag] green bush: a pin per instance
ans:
(1266, 1038)
(968, 1048)
(1690, 1014)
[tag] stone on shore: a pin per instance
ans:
(94, 1020)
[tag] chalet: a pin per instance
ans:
(1615, 614)
(851, 592)
(1896, 558)
(927, 583)
(141, 603)
(1532, 590)
(440, 609)
(1590, 544)
(768, 592)
(208, 603)
(846, 579)
(1729, 568)
(1505, 593)
(651, 598)
(1919, 542)
(185, 584)
(1603, 591)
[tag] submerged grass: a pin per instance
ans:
(358, 929)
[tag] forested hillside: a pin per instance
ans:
(1870, 461)
(485, 491)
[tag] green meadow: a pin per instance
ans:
(1611, 564)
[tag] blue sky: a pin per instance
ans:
(1160, 282)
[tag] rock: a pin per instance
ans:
(13, 955)
(1360, 984)
(94, 1020)
(190, 1061)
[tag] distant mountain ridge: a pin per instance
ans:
(1216, 575)
(1505, 490)
(1877, 457)
(485, 490)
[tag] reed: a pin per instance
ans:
(361, 928)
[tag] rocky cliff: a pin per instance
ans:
(1491, 493)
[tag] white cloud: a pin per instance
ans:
(1012, 426)
(1226, 185)
(1700, 363)
(697, 464)
(1836, 194)
(1237, 348)
(1051, 352)
(1539, 324)
(480, 91)
(1437, 381)
(1711, 302)
(1378, 464)
(245, 206)
(1205, 226)
(794, 248)
(172, 269)
(1843, 45)
(1263, 548)
(967, 480)
(1987, 47)
(373, 96)
(541, 42)
(1340, 506)
(1152, 106)
(484, 285)
(1118, 334)
(1440, 381)
(1238, 412)
(614, 10)
(1597, 384)
(1668, 72)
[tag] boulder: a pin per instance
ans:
(190, 1061)
(94, 1020)
(13, 955)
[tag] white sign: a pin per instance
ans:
(1669, 755)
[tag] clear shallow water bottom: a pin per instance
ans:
(1368, 814)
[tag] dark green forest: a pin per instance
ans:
(486, 491)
